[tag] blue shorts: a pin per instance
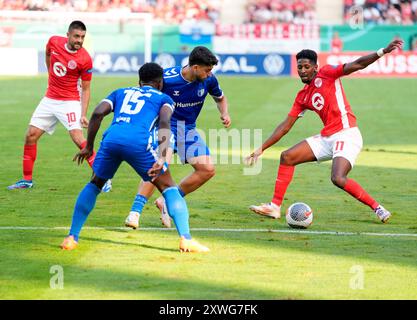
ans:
(110, 155)
(185, 141)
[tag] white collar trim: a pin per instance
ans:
(70, 51)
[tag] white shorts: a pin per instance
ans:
(346, 144)
(50, 111)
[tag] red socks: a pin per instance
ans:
(29, 157)
(355, 190)
(91, 159)
(284, 177)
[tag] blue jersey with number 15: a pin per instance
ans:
(136, 112)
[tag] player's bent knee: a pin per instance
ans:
(209, 172)
(99, 182)
(32, 136)
(338, 180)
(286, 158)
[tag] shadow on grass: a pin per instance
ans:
(109, 283)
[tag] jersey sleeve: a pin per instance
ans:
(167, 100)
(214, 88)
(111, 99)
(297, 109)
(332, 71)
(87, 71)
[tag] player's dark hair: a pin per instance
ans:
(150, 72)
(77, 25)
(307, 54)
(202, 56)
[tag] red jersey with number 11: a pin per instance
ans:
(66, 68)
(325, 96)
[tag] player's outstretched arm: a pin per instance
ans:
(223, 107)
(363, 62)
(102, 110)
(281, 130)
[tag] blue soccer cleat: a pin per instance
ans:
(107, 186)
(21, 184)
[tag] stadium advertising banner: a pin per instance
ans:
(402, 64)
(265, 38)
(237, 64)
(129, 63)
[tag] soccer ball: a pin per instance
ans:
(299, 215)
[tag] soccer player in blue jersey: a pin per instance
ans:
(188, 87)
(136, 112)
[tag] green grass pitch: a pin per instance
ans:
(115, 263)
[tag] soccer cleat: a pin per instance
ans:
(267, 209)
(132, 220)
(165, 218)
(382, 213)
(192, 245)
(69, 243)
(107, 186)
(21, 184)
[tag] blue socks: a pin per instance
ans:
(178, 211)
(85, 203)
(139, 203)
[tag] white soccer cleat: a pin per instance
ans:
(165, 218)
(132, 220)
(107, 186)
(382, 213)
(268, 210)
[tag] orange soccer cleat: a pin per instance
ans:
(69, 243)
(191, 245)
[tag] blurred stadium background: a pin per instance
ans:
(251, 37)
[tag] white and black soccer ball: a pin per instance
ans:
(299, 215)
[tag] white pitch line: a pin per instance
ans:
(311, 232)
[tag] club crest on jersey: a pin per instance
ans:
(318, 82)
(176, 93)
(72, 64)
(318, 101)
(59, 69)
(200, 92)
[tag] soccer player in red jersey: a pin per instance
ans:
(340, 138)
(66, 99)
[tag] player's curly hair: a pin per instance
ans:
(77, 25)
(150, 72)
(202, 56)
(307, 54)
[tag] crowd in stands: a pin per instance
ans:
(382, 11)
(173, 11)
(281, 11)
(257, 11)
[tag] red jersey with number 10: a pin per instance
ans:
(325, 96)
(66, 68)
